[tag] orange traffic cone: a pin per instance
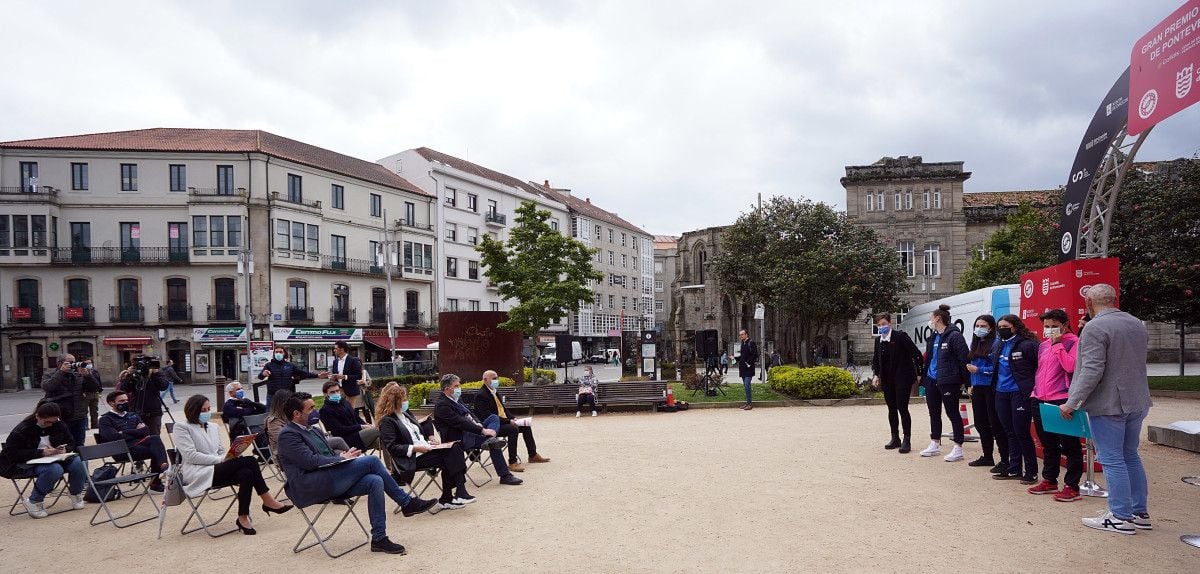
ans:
(966, 422)
(670, 396)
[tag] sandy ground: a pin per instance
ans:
(722, 490)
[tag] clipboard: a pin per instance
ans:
(333, 464)
(1053, 422)
(239, 445)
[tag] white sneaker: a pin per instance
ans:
(934, 448)
(35, 509)
(449, 505)
(463, 501)
(77, 502)
(576, 414)
(593, 413)
(1141, 521)
(956, 454)
(1109, 523)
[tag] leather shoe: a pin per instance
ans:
(387, 546)
(510, 480)
(516, 467)
(416, 506)
(494, 443)
(538, 458)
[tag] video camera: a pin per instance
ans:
(78, 365)
(143, 364)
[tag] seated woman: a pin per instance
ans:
(276, 420)
(412, 449)
(204, 465)
(339, 418)
(587, 392)
(43, 434)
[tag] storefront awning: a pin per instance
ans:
(405, 341)
(138, 342)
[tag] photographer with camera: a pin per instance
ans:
(65, 387)
(143, 383)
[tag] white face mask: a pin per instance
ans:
(1050, 332)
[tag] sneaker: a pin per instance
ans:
(463, 500)
(1141, 521)
(576, 414)
(593, 413)
(1044, 487)
(933, 449)
(494, 443)
(1071, 494)
(35, 509)
(1001, 468)
(1109, 523)
(416, 506)
(982, 461)
(451, 505)
(1005, 475)
(387, 546)
(77, 502)
(956, 454)
(1029, 480)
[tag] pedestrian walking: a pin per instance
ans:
(169, 374)
(724, 363)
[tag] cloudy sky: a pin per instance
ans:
(673, 114)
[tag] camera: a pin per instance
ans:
(78, 365)
(143, 364)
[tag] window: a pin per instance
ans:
(933, 257)
(337, 196)
(473, 235)
(5, 243)
(79, 176)
(216, 231)
(473, 305)
(20, 231)
(870, 197)
(77, 293)
(341, 300)
(27, 293)
(610, 235)
(879, 205)
(658, 266)
(410, 213)
(81, 234)
(282, 233)
(493, 207)
(624, 302)
(129, 177)
(658, 286)
(926, 198)
(225, 296)
(131, 236)
(29, 176)
(451, 196)
(314, 241)
(554, 224)
(905, 249)
(612, 257)
(200, 231)
(418, 255)
(981, 251)
(178, 176)
(378, 304)
(451, 232)
(224, 180)
(337, 247)
(234, 227)
(473, 202)
(494, 306)
(376, 205)
(128, 297)
(622, 239)
(658, 306)
(452, 304)
(297, 236)
(451, 267)
(297, 294)
(599, 233)
(38, 228)
(54, 232)
(908, 198)
(624, 260)
(611, 302)
(295, 188)
(896, 200)
(473, 271)
(937, 198)
(177, 237)
(177, 299)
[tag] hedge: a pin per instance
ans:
(547, 374)
(812, 382)
(403, 379)
(420, 391)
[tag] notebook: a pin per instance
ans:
(1053, 422)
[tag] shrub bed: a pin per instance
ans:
(812, 382)
(547, 375)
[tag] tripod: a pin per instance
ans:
(712, 381)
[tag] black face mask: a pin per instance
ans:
(1004, 332)
(122, 407)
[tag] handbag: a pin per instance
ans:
(173, 488)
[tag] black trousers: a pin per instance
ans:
(1054, 446)
(896, 394)
(453, 467)
(151, 448)
(242, 471)
(987, 422)
(585, 399)
(510, 431)
(938, 398)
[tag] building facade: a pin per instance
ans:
(666, 251)
(117, 244)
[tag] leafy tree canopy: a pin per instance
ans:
(1026, 242)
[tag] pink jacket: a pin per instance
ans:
(1056, 362)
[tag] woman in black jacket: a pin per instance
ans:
(38, 435)
(412, 448)
(1014, 360)
(896, 363)
(945, 374)
(280, 374)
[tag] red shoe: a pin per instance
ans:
(1068, 494)
(1044, 487)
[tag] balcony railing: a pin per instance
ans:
(174, 312)
(27, 315)
(76, 314)
(336, 263)
(126, 314)
(495, 218)
(118, 255)
(378, 316)
(231, 313)
(413, 318)
(337, 315)
(301, 314)
(217, 191)
(27, 193)
(275, 195)
(412, 224)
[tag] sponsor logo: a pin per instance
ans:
(1046, 286)
(1079, 175)
(1183, 81)
(1092, 143)
(1067, 242)
(1148, 104)
(1083, 291)
(1072, 208)
(1115, 105)
(1028, 288)
(1079, 273)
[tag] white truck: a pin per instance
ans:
(964, 308)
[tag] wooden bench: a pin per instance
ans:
(556, 396)
(632, 393)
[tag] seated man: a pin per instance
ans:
(341, 421)
(456, 422)
(302, 453)
(237, 407)
(120, 424)
(487, 403)
(43, 434)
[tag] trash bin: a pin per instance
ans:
(26, 384)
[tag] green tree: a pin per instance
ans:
(809, 264)
(1156, 233)
(1028, 240)
(545, 271)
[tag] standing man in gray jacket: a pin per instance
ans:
(1110, 385)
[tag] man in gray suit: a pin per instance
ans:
(1110, 385)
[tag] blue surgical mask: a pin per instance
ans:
(278, 356)
(495, 384)
(205, 417)
(240, 394)
(981, 332)
(885, 330)
(457, 393)
(335, 398)
(313, 418)
(404, 406)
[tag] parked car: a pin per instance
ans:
(596, 359)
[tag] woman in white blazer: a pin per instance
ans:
(204, 465)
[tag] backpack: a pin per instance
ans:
(110, 492)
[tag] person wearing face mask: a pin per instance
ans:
(276, 420)
(1014, 364)
(1056, 362)
(586, 395)
(488, 403)
(237, 407)
(945, 374)
(121, 424)
(341, 420)
(204, 465)
(280, 374)
(43, 434)
(456, 422)
(983, 396)
(895, 362)
(413, 448)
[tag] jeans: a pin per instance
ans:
(1015, 416)
(93, 405)
(1054, 446)
(471, 440)
(938, 398)
(78, 430)
(746, 384)
(48, 475)
(171, 390)
(987, 422)
(1116, 438)
(896, 394)
(366, 475)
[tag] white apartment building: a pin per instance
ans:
(121, 243)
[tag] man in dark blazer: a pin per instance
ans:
(341, 421)
(315, 474)
(487, 403)
(747, 359)
(454, 421)
(348, 370)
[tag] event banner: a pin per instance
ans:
(1106, 123)
(1163, 68)
(218, 334)
(1063, 286)
(284, 334)
(260, 355)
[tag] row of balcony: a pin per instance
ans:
(182, 313)
(117, 255)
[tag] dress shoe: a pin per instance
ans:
(387, 546)
(416, 506)
(247, 531)
(510, 480)
(894, 443)
(280, 510)
(538, 458)
(516, 467)
(494, 443)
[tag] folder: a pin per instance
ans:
(1053, 422)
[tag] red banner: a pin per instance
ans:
(1063, 286)
(22, 313)
(72, 312)
(1163, 69)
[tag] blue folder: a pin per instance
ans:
(1053, 422)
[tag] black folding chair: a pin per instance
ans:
(208, 526)
(121, 461)
(311, 528)
(475, 458)
(140, 480)
(257, 425)
(23, 483)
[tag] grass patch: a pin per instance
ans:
(1176, 383)
(733, 394)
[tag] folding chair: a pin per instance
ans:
(194, 503)
(121, 461)
(311, 528)
(114, 449)
(476, 457)
(416, 482)
(23, 483)
(257, 425)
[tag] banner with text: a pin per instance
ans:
(1163, 68)
(285, 334)
(1063, 286)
